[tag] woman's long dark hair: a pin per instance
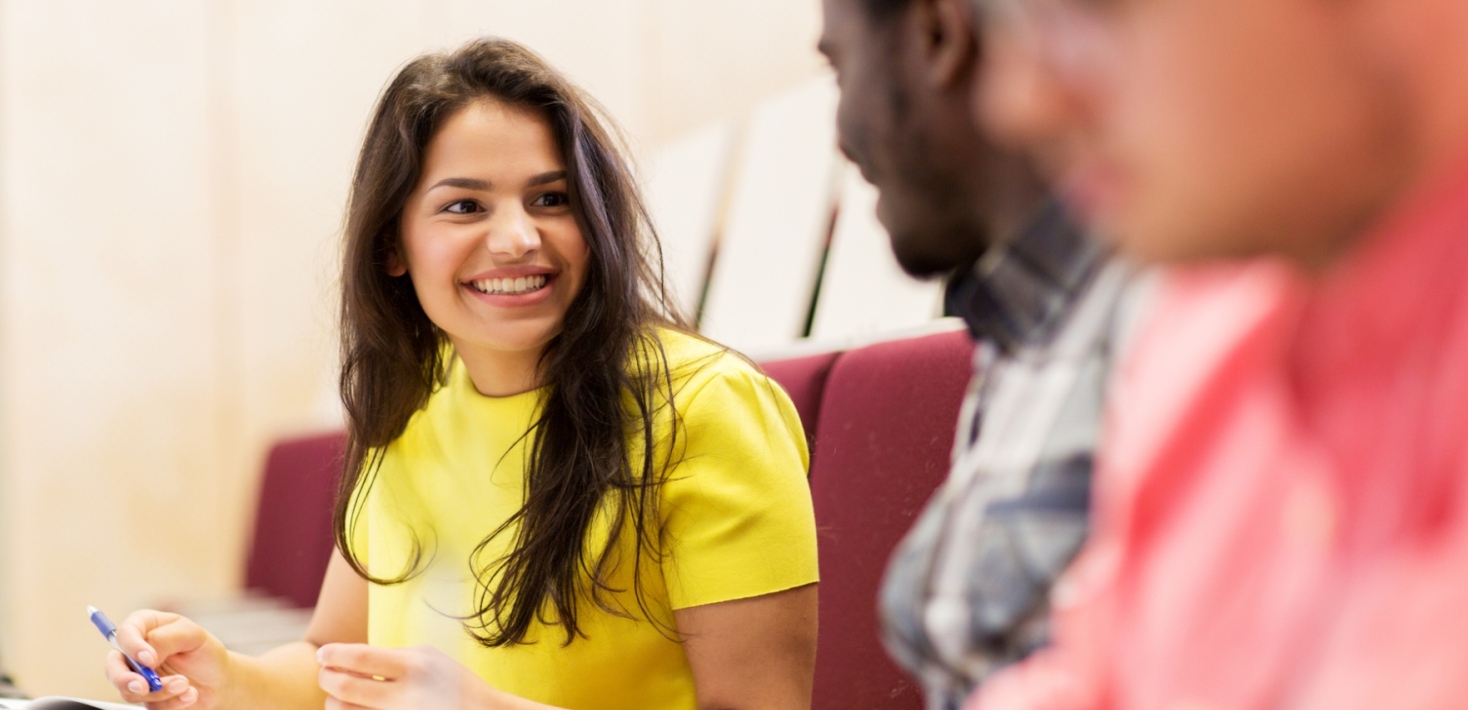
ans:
(606, 355)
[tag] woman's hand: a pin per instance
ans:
(361, 676)
(193, 663)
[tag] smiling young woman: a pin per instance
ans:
(490, 242)
(554, 494)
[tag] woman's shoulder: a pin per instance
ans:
(693, 362)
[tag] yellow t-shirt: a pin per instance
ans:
(736, 510)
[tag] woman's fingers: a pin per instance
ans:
(356, 675)
(178, 702)
(177, 635)
(134, 689)
(352, 690)
(334, 704)
(135, 634)
(129, 684)
(363, 660)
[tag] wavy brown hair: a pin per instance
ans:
(606, 355)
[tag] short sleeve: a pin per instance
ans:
(737, 507)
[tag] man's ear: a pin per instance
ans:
(949, 41)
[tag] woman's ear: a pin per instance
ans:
(395, 264)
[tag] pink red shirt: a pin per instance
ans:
(1282, 501)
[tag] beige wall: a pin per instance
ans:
(172, 176)
(716, 58)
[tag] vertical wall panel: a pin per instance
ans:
(107, 400)
(780, 211)
(687, 181)
(715, 59)
(301, 82)
(863, 291)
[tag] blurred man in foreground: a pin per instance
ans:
(967, 590)
(1283, 500)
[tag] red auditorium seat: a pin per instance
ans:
(882, 446)
(292, 540)
(289, 550)
(804, 379)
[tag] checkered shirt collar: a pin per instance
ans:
(1016, 293)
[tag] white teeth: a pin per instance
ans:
(511, 287)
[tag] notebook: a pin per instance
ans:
(57, 703)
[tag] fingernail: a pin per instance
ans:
(189, 697)
(320, 652)
(136, 687)
(145, 658)
(178, 685)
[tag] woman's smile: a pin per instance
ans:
(513, 291)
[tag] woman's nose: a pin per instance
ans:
(512, 234)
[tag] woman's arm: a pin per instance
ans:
(748, 653)
(287, 676)
(753, 653)
(200, 673)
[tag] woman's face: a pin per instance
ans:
(488, 237)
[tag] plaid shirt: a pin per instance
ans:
(967, 590)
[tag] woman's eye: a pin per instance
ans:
(462, 207)
(552, 199)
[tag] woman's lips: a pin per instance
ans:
(515, 292)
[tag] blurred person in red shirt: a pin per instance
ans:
(1281, 511)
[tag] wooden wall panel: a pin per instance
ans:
(109, 336)
(863, 290)
(769, 255)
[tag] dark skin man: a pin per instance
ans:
(907, 71)
(967, 591)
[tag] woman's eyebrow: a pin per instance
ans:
(486, 186)
(545, 178)
(464, 183)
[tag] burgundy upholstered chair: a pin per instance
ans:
(885, 434)
(289, 550)
(804, 379)
(292, 541)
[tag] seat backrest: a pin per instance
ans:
(885, 435)
(780, 203)
(292, 541)
(804, 379)
(864, 292)
(687, 181)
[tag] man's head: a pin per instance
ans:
(906, 70)
(1194, 129)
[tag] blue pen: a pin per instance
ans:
(109, 631)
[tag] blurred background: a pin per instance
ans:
(172, 180)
